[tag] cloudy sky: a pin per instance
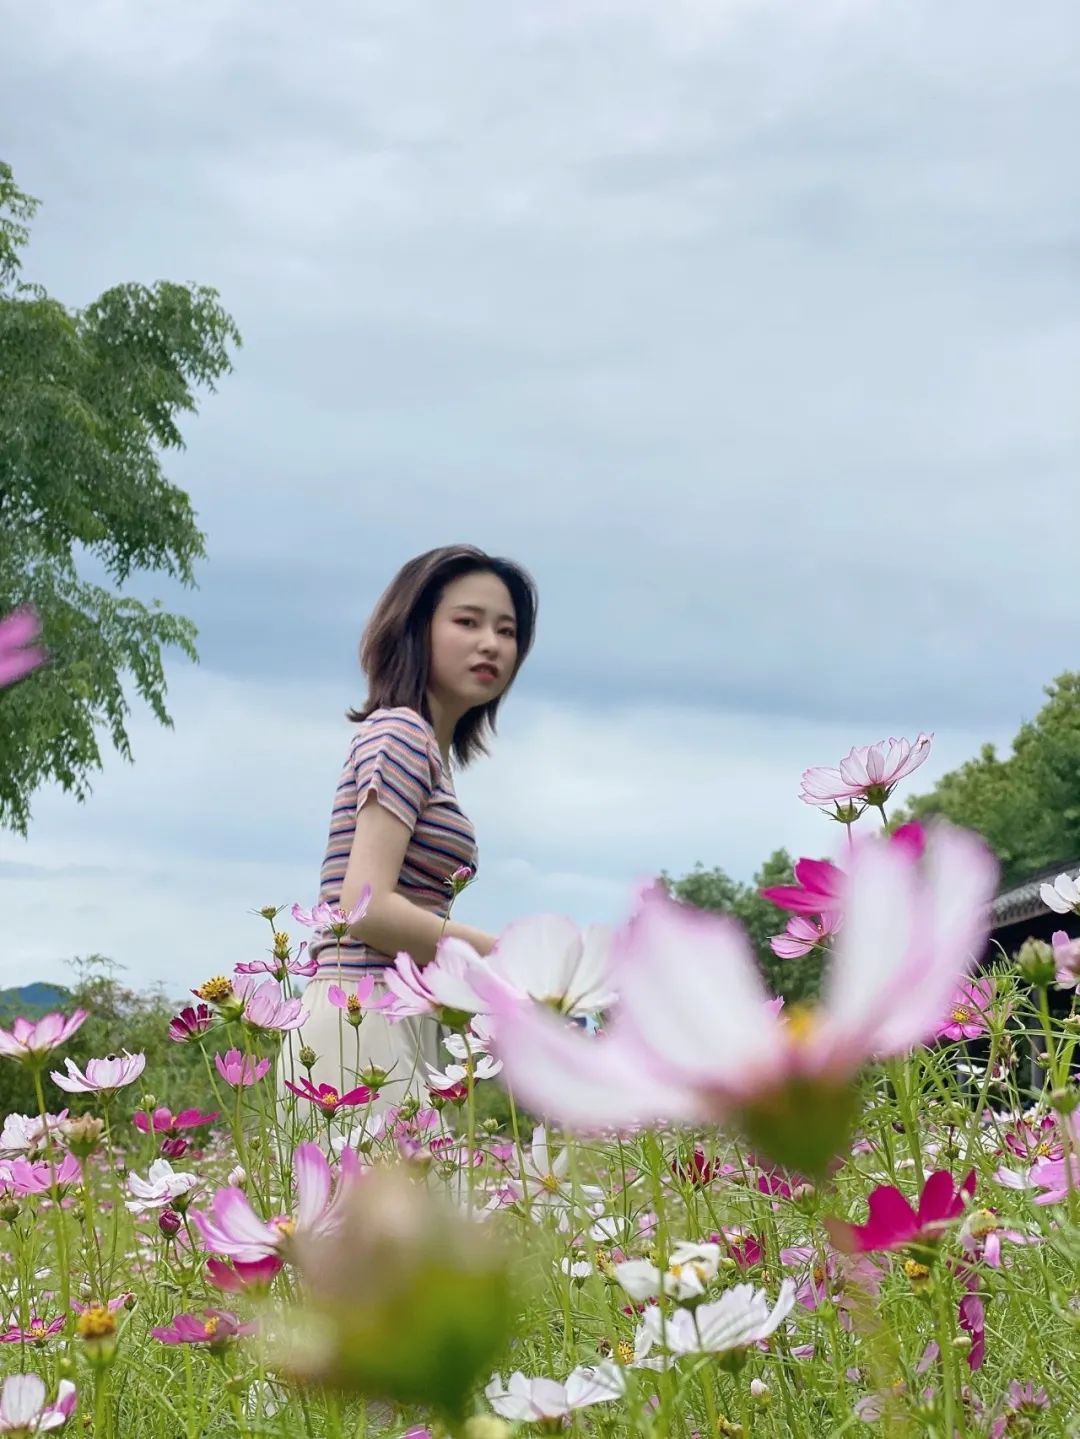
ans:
(751, 327)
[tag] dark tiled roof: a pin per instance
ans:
(1022, 901)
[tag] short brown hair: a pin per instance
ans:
(394, 649)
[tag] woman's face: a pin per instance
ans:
(473, 626)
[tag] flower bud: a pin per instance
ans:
(374, 1078)
(409, 1300)
(1064, 1101)
(491, 1125)
(9, 1210)
(307, 1056)
(271, 911)
(175, 1147)
(237, 1177)
(148, 1102)
(759, 1393)
(962, 1343)
(409, 1107)
(169, 1222)
(1035, 963)
(486, 1426)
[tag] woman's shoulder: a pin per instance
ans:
(399, 725)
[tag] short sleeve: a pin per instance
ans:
(392, 756)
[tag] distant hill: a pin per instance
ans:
(38, 997)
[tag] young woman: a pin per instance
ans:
(442, 647)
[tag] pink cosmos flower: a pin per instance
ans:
(328, 1099)
(163, 1121)
(967, 1014)
(357, 998)
(234, 1231)
(17, 655)
(41, 1178)
(892, 1222)
(279, 968)
(190, 1023)
(972, 1320)
(216, 1327)
(1023, 1402)
(842, 1279)
(266, 1009)
(1035, 1138)
(101, 1076)
(982, 1232)
(693, 1039)
(332, 919)
(36, 1332)
(23, 1409)
(236, 1068)
(867, 773)
(444, 988)
(29, 1039)
(239, 1277)
(1067, 959)
(802, 934)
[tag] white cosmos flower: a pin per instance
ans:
(576, 1268)
(548, 959)
(691, 1268)
(22, 1132)
(1063, 896)
(539, 1399)
(738, 1318)
(476, 1042)
(161, 1186)
(486, 1067)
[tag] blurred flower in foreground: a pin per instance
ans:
(868, 773)
(548, 959)
(17, 655)
(536, 1400)
(101, 1076)
(409, 1300)
(694, 1039)
(23, 1409)
(892, 1223)
(29, 1039)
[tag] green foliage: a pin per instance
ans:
(715, 890)
(119, 1018)
(88, 400)
(1026, 806)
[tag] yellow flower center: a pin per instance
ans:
(624, 1351)
(284, 1225)
(215, 990)
(961, 1014)
(550, 1183)
(352, 1004)
(819, 1274)
(96, 1322)
(36, 1331)
(802, 1023)
(210, 1328)
(915, 1271)
(1043, 1149)
(329, 1098)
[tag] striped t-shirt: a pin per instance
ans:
(395, 753)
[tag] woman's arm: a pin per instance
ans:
(392, 922)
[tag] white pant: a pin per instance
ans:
(404, 1049)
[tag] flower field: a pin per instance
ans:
(639, 1195)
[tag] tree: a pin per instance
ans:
(715, 890)
(1027, 807)
(88, 400)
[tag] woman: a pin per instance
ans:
(442, 647)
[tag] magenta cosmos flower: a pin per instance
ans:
(216, 1326)
(18, 655)
(232, 1229)
(694, 1039)
(238, 1069)
(101, 1076)
(36, 1332)
(967, 1015)
(869, 772)
(892, 1223)
(328, 1099)
(23, 1409)
(163, 1121)
(238, 1276)
(29, 1039)
(196, 1019)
